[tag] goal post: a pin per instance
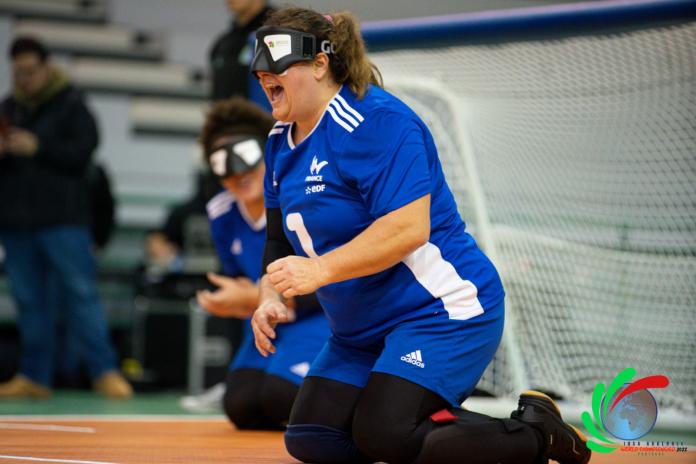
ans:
(568, 136)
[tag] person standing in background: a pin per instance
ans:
(46, 146)
(230, 54)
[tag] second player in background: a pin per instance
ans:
(259, 392)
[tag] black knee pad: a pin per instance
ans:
(277, 396)
(478, 439)
(320, 444)
(242, 400)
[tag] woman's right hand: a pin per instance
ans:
(267, 316)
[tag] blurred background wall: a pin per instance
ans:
(152, 170)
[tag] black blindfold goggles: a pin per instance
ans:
(277, 48)
(240, 155)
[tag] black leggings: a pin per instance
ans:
(389, 420)
(256, 400)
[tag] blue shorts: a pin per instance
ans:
(444, 355)
(297, 344)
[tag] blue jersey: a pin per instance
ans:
(365, 158)
(238, 239)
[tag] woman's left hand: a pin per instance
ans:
(264, 321)
(294, 275)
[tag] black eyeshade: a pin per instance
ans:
(307, 46)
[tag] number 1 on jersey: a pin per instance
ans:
(295, 223)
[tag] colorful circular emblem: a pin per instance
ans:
(633, 417)
(625, 410)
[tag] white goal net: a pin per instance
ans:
(574, 164)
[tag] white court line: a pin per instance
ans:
(30, 458)
(47, 427)
(118, 417)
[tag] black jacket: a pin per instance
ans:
(230, 57)
(51, 187)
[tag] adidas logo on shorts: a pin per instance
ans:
(414, 358)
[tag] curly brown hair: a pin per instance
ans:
(234, 116)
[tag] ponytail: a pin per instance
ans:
(350, 64)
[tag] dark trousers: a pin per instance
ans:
(50, 265)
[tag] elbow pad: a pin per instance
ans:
(307, 305)
(277, 244)
(275, 250)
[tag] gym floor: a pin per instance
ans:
(80, 427)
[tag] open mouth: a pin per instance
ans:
(275, 92)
